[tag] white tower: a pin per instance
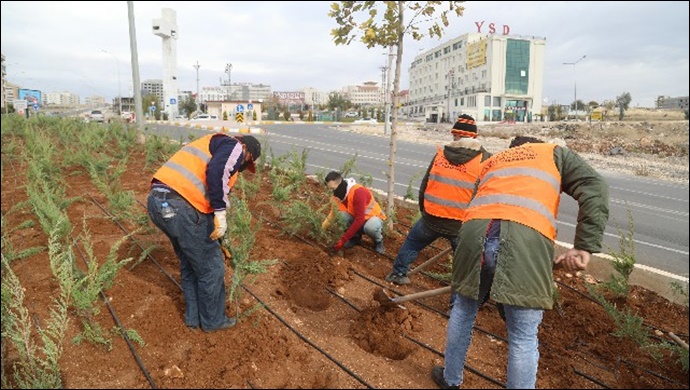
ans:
(166, 28)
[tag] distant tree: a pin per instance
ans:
(592, 105)
(339, 101)
(388, 31)
(151, 100)
(555, 112)
(623, 103)
(188, 105)
(577, 105)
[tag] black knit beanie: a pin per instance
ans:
(465, 126)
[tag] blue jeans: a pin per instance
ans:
(419, 237)
(373, 227)
(202, 265)
(522, 325)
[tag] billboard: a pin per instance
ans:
(476, 54)
(289, 97)
(31, 96)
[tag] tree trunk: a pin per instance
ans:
(390, 202)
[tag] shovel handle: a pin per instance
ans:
(422, 294)
(429, 262)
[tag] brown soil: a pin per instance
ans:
(320, 327)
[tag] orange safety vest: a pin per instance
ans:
(185, 172)
(373, 208)
(520, 184)
(449, 187)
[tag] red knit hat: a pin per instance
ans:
(465, 127)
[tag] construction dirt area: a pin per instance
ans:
(309, 320)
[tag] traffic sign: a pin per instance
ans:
(35, 106)
(173, 101)
(152, 108)
(250, 107)
(240, 108)
(19, 104)
(239, 117)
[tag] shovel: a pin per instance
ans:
(385, 300)
(429, 262)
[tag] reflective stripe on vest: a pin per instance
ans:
(185, 172)
(520, 184)
(449, 187)
(373, 209)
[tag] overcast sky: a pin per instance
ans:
(636, 47)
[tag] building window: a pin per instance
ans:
(487, 101)
(517, 67)
(497, 101)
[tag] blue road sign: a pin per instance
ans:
(152, 108)
(240, 108)
(250, 107)
(173, 101)
(35, 106)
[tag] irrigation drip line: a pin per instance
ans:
(120, 327)
(305, 339)
(350, 372)
(148, 255)
(595, 380)
(653, 373)
(432, 309)
(446, 316)
(424, 345)
(587, 296)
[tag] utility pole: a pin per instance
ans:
(384, 68)
(451, 84)
(197, 66)
(227, 82)
(139, 112)
(575, 78)
(387, 122)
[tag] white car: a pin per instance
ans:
(366, 121)
(202, 117)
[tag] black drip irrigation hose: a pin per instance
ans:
(283, 321)
(424, 345)
(587, 296)
(135, 241)
(653, 373)
(446, 316)
(595, 380)
(120, 327)
(305, 339)
(440, 312)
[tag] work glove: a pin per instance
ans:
(220, 224)
(338, 245)
(325, 224)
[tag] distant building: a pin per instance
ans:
(63, 98)
(491, 77)
(367, 94)
(672, 103)
(153, 87)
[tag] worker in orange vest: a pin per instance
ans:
(507, 249)
(446, 190)
(188, 202)
(362, 213)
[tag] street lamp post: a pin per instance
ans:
(575, 78)
(197, 66)
(119, 84)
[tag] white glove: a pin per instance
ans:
(220, 224)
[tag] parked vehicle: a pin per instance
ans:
(202, 117)
(366, 121)
(97, 116)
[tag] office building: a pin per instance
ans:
(490, 77)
